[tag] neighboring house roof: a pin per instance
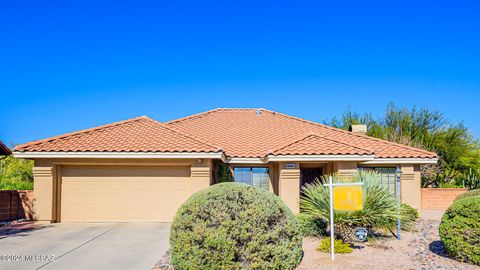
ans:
(140, 134)
(241, 133)
(4, 151)
(256, 132)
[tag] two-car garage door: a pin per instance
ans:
(122, 194)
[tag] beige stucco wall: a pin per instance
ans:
(345, 169)
(289, 186)
(201, 175)
(410, 183)
(283, 182)
(43, 187)
(47, 175)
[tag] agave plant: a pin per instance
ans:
(380, 207)
(472, 179)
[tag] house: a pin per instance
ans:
(4, 151)
(143, 170)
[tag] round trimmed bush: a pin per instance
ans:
(460, 230)
(470, 193)
(235, 226)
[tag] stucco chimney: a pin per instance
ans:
(358, 129)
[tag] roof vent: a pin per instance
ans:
(358, 129)
(258, 112)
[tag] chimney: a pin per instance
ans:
(358, 129)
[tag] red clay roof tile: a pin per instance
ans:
(317, 145)
(255, 132)
(140, 134)
(240, 133)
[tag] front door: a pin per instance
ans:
(309, 175)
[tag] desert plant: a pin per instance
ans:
(409, 216)
(380, 207)
(470, 193)
(311, 226)
(460, 230)
(235, 226)
(339, 245)
(472, 179)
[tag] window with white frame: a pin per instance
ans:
(255, 176)
(386, 175)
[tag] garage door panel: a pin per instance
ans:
(113, 194)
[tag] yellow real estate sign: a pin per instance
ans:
(348, 198)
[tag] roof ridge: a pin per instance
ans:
(196, 115)
(321, 137)
(183, 134)
(350, 133)
(201, 114)
(83, 131)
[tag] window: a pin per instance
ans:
(386, 176)
(255, 176)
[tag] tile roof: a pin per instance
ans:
(256, 132)
(140, 134)
(239, 133)
(316, 145)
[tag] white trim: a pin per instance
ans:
(364, 159)
(246, 161)
(115, 155)
(320, 158)
(402, 161)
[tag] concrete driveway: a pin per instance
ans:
(86, 246)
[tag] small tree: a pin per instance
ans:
(16, 174)
(224, 174)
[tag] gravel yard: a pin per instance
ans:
(421, 249)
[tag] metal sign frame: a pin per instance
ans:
(330, 186)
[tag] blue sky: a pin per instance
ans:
(69, 66)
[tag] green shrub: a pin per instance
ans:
(409, 216)
(470, 193)
(235, 226)
(339, 245)
(311, 226)
(16, 174)
(224, 174)
(460, 230)
(380, 207)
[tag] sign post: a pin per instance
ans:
(398, 174)
(345, 197)
(332, 233)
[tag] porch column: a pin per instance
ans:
(200, 175)
(43, 187)
(345, 169)
(289, 187)
(410, 184)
